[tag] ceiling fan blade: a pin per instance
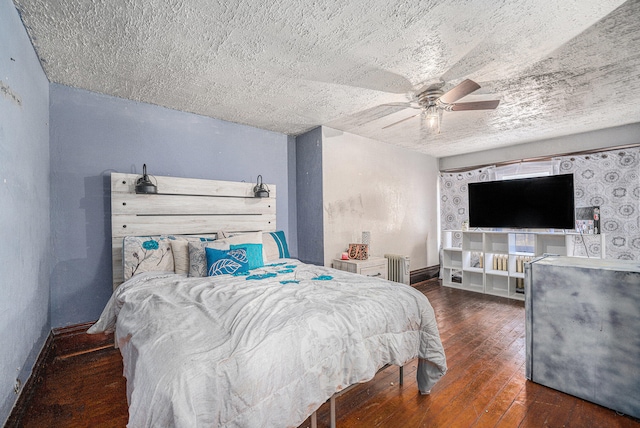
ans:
(475, 105)
(400, 121)
(362, 118)
(460, 90)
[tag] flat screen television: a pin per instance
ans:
(524, 203)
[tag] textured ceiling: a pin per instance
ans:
(558, 67)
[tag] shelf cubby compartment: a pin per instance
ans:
(473, 280)
(496, 243)
(515, 284)
(452, 258)
(451, 239)
(452, 277)
(472, 241)
(497, 285)
(551, 244)
(517, 262)
(522, 243)
(473, 261)
(497, 263)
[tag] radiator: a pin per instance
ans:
(398, 268)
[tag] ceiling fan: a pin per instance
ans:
(433, 101)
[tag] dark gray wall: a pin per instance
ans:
(309, 197)
(292, 238)
(92, 135)
(24, 206)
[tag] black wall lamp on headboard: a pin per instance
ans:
(144, 184)
(260, 190)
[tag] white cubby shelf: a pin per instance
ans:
(492, 262)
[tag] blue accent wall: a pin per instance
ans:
(92, 135)
(25, 252)
(309, 197)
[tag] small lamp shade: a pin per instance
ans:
(144, 184)
(260, 190)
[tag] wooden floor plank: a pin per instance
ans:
(503, 399)
(485, 386)
(87, 390)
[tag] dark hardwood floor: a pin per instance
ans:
(485, 386)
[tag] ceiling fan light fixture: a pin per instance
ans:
(433, 101)
(433, 117)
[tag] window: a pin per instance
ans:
(527, 170)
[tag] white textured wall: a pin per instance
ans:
(380, 188)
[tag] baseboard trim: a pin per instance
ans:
(63, 342)
(74, 340)
(424, 274)
(29, 387)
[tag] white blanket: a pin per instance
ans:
(265, 349)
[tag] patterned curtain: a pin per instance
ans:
(610, 180)
(454, 197)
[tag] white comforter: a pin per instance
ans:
(250, 351)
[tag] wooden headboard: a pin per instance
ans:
(184, 206)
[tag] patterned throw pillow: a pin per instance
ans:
(226, 262)
(146, 254)
(180, 248)
(197, 259)
(275, 246)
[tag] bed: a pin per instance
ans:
(264, 345)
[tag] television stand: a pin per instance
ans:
(492, 262)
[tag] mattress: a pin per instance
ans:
(262, 348)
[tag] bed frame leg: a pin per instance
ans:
(332, 404)
(314, 420)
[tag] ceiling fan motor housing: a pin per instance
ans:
(429, 97)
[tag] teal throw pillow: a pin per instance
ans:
(226, 262)
(254, 254)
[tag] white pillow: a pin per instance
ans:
(198, 257)
(243, 238)
(180, 248)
